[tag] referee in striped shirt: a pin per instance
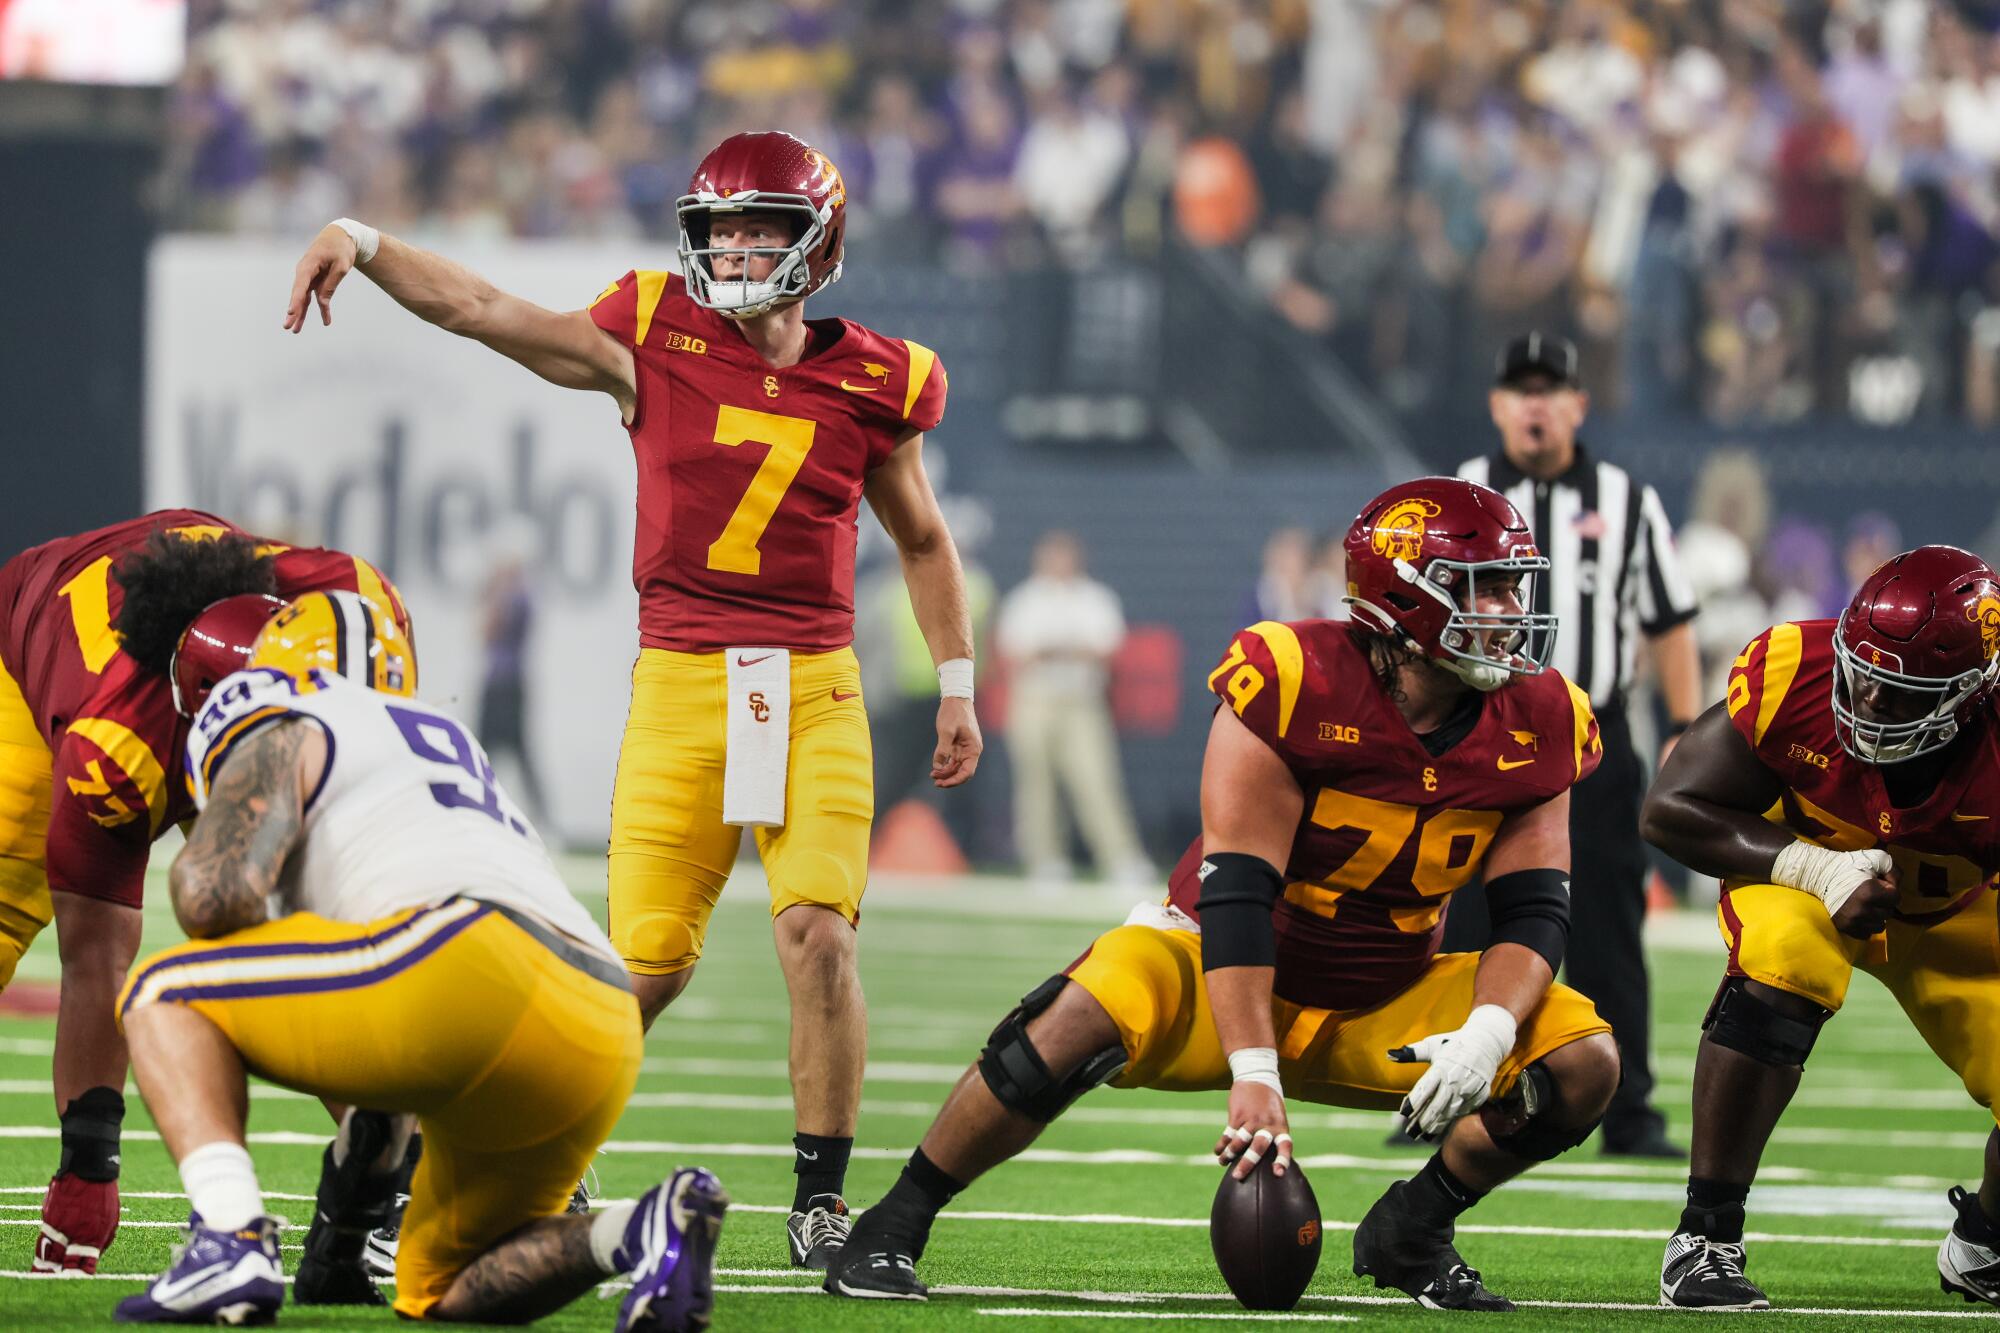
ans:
(1613, 577)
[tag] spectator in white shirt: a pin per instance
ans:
(1057, 632)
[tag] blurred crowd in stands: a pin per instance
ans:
(1755, 209)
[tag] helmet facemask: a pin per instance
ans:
(1486, 649)
(1933, 702)
(742, 297)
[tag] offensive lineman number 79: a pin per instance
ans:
(789, 439)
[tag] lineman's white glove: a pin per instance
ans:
(1462, 1066)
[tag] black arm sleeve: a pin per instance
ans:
(1531, 908)
(1237, 894)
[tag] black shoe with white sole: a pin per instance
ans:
(1967, 1266)
(817, 1233)
(1404, 1252)
(1697, 1273)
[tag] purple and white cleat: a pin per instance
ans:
(218, 1277)
(669, 1249)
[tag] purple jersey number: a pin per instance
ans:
(423, 732)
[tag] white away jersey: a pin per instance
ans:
(406, 814)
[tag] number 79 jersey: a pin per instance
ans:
(1389, 831)
(750, 477)
(406, 812)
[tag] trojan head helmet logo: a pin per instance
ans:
(1985, 613)
(837, 191)
(1399, 533)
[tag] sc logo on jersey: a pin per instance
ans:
(759, 709)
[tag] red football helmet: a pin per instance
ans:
(1918, 649)
(768, 172)
(1416, 560)
(216, 644)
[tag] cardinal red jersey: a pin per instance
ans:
(1945, 847)
(1389, 831)
(750, 478)
(111, 726)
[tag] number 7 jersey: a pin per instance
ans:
(750, 477)
(405, 814)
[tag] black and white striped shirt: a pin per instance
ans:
(1613, 571)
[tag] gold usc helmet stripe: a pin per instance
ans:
(343, 633)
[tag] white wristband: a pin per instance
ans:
(366, 239)
(1256, 1064)
(1830, 876)
(955, 678)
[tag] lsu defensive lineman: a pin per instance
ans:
(375, 924)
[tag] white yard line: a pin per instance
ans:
(1176, 1316)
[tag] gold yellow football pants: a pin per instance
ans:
(1150, 982)
(516, 1063)
(1946, 977)
(670, 851)
(25, 766)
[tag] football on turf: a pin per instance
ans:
(1265, 1230)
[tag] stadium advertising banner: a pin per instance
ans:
(445, 464)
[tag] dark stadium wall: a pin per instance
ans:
(75, 230)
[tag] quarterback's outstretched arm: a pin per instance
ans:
(224, 877)
(900, 493)
(564, 348)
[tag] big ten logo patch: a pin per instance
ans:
(759, 709)
(1335, 731)
(686, 342)
(1805, 756)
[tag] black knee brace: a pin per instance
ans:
(1522, 1122)
(1742, 1022)
(1018, 1076)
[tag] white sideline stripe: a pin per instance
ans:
(1156, 1298)
(1238, 1317)
(1083, 1219)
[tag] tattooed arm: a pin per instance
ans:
(256, 809)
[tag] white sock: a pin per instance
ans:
(222, 1185)
(607, 1233)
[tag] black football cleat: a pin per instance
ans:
(877, 1262)
(817, 1233)
(1402, 1252)
(1697, 1273)
(322, 1281)
(1967, 1266)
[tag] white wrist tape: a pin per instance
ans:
(367, 240)
(1256, 1064)
(1830, 876)
(955, 678)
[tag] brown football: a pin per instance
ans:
(1265, 1231)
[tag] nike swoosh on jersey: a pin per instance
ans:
(1505, 765)
(861, 388)
(839, 697)
(743, 661)
(1966, 819)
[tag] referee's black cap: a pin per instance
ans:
(1537, 353)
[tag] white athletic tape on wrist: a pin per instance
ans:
(367, 240)
(1256, 1064)
(955, 678)
(1830, 876)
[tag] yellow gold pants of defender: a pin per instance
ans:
(1150, 982)
(516, 1063)
(24, 828)
(670, 851)
(1946, 976)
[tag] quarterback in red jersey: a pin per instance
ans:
(757, 434)
(1356, 775)
(1847, 792)
(108, 643)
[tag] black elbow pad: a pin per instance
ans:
(1531, 908)
(1237, 894)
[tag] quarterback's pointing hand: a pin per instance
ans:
(1462, 1066)
(319, 271)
